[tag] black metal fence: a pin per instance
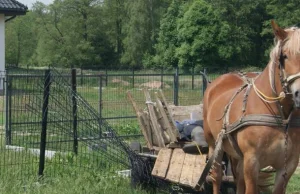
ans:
(50, 127)
(106, 92)
(53, 120)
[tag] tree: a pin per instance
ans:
(141, 29)
(72, 34)
(114, 13)
(245, 19)
(21, 41)
(167, 38)
(285, 13)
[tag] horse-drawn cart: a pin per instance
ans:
(180, 155)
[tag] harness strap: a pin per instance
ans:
(228, 106)
(246, 99)
(247, 85)
(257, 120)
(214, 159)
(275, 92)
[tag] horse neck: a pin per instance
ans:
(264, 82)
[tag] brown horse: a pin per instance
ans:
(275, 92)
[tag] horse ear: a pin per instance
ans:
(279, 32)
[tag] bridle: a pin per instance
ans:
(285, 80)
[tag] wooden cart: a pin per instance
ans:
(172, 164)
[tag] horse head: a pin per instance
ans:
(286, 57)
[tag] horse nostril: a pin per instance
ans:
(296, 94)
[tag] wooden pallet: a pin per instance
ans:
(176, 166)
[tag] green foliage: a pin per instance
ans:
(21, 40)
(155, 33)
(129, 128)
(199, 33)
(167, 38)
(140, 29)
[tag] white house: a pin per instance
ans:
(9, 9)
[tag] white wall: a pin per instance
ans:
(2, 48)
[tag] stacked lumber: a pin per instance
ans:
(156, 122)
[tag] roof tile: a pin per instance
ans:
(12, 5)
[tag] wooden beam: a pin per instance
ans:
(163, 119)
(153, 119)
(143, 122)
(169, 115)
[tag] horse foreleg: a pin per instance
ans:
(251, 170)
(283, 175)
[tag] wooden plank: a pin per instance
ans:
(199, 165)
(143, 123)
(169, 115)
(163, 120)
(153, 119)
(146, 129)
(180, 113)
(164, 133)
(162, 163)
(186, 177)
(175, 166)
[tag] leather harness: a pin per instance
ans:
(251, 119)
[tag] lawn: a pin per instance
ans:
(86, 182)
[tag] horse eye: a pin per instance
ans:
(284, 56)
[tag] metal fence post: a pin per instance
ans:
(176, 85)
(81, 77)
(100, 105)
(204, 82)
(162, 78)
(132, 77)
(7, 110)
(47, 83)
(193, 78)
(74, 92)
(106, 77)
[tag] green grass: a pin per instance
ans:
(294, 186)
(68, 182)
(64, 173)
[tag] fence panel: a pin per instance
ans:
(93, 144)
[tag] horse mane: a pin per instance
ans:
(291, 44)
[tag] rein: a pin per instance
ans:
(266, 98)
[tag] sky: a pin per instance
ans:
(29, 3)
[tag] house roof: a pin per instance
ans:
(12, 7)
